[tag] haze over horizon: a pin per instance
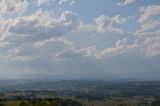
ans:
(80, 39)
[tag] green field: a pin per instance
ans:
(11, 103)
(41, 102)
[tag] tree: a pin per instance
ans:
(54, 103)
(1, 104)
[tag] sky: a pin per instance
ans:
(80, 39)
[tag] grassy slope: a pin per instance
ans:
(11, 103)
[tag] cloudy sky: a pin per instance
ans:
(97, 39)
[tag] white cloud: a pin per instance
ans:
(3, 44)
(21, 32)
(148, 33)
(149, 41)
(149, 25)
(61, 40)
(148, 12)
(104, 24)
(41, 34)
(34, 41)
(120, 47)
(126, 2)
(72, 2)
(66, 1)
(152, 45)
(42, 25)
(15, 54)
(41, 2)
(107, 23)
(70, 49)
(13, 6)
(35, 32)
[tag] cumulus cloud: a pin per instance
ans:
(15, 54)
(149, 25)
(41, 2)
(148, 33)
(70, 45)
(37, 41)
(13, 6)
(149, 41)
(126, 2)
(3, 44)
(21, 32)
(148, 12)
(70, 49)
(106, 23)
(66, 1)
(43, 30)
(152, 45)
(120, 47)
(42, 25)
(52, 49)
